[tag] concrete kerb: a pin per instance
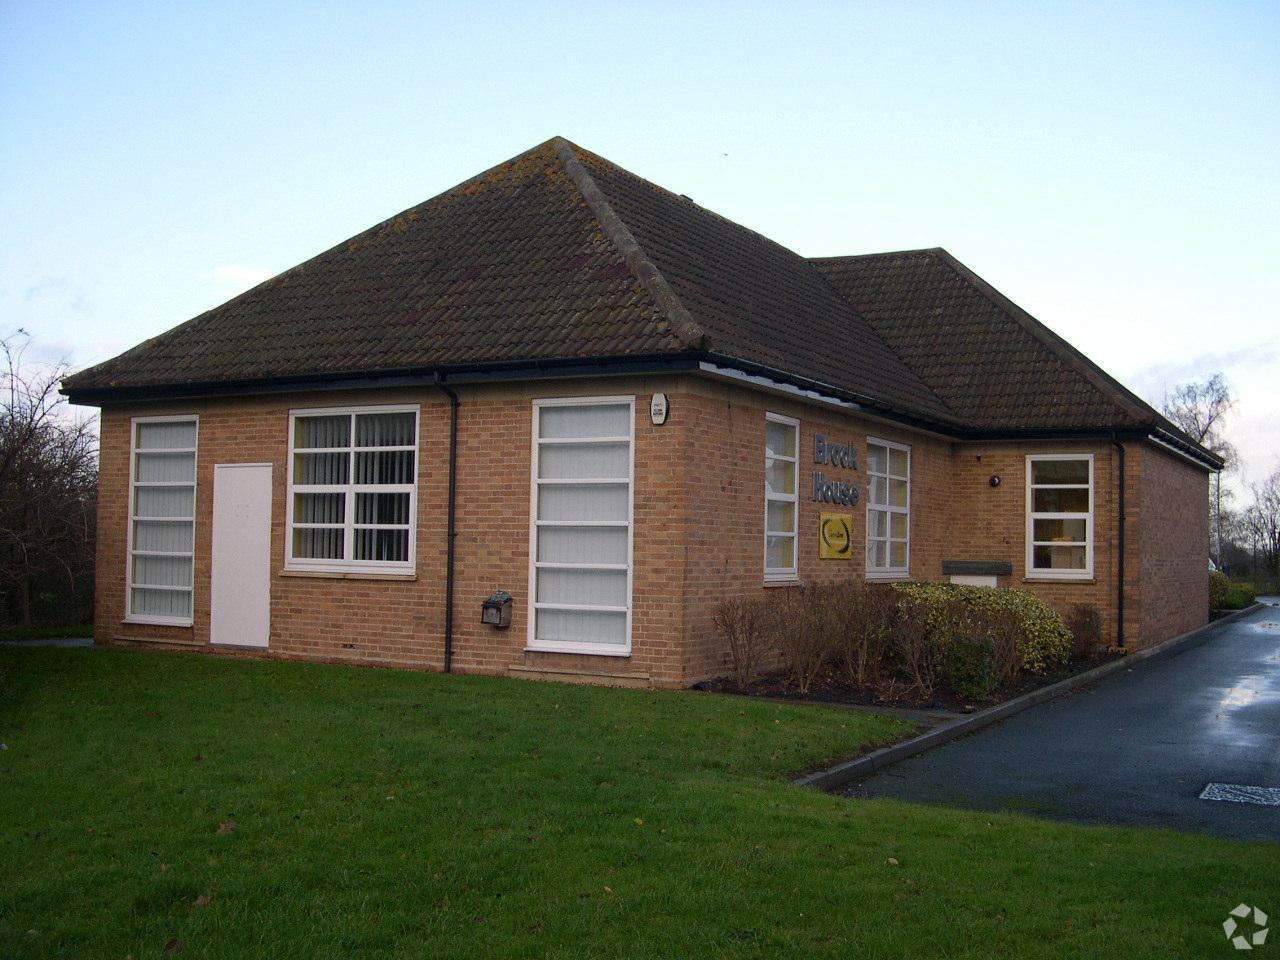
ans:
(850, 771)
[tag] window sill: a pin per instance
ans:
(162, 641)
(589, 650)
(159, 622)
(783, 582)
(1050, 578)
(896, 577)
(345, 575)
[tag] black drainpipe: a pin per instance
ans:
(1120, 551)
(449, 535)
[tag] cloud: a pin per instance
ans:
(239, 275)
(58, 293)
(1155, 380)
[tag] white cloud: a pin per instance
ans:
(238, 275)
(57, 295)
(1251, 374)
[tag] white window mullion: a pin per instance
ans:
(884, 535)
(574, 594)
(160, 580)
(782, 447)
(1065, 556)
(308, 546)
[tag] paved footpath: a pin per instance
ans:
(1138, 747)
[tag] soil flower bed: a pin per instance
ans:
(830, 686)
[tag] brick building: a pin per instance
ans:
(618, 408)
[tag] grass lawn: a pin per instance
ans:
(259, 809)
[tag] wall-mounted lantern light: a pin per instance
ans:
(496, 610)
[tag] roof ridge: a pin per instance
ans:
(869, 256)
(1115, 391)
(683, 325)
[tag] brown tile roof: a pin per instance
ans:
(511, 264)
(992, 363)
(559, 256)
(556, 254)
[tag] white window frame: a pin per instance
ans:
(1052, 573)
(532, 643)
(348, 564)
(129, 615)
(791, 573)
(888, 572)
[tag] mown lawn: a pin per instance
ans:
(224, 808)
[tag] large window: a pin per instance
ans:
(1060, 515)
(580, 531)
(352, 489)
(888, 508)
(162, 510)
(781, 503)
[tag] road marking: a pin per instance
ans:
(1241, 793)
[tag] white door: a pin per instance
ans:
(241, 576)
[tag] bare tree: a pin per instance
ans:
(1200, 410)
(1262, 519)
(48, 481)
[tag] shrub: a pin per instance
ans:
(1004, 628)
(1224, 594)
(1085, 624)
(798, 622)
(975, 649)
(918, 647)
(1241, 595)
(864, 614)
(1219, 586)
(741, 622)
(970, 669)
(1043, 640)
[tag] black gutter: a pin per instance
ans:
(687, 361)
(1120, 548)
(451, 511)
(499, 371)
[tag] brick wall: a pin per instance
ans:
(990, 523)
(698, 535)
(400, 621)
(724, 493)
(1171, 543)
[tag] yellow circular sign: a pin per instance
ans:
(835, 536)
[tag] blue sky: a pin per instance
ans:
(1113, 168)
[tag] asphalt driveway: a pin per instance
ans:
(1138, 747)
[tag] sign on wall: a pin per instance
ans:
(842, 456)
(835, 536)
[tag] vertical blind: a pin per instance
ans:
(353, 488)
(162, 520)
(582, 525)
(781, 469)
(888, 506)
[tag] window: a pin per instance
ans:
(888, 508)
(580, 528)
(781, 503)
(162, 511)
(352, 490)
(1060, 515)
